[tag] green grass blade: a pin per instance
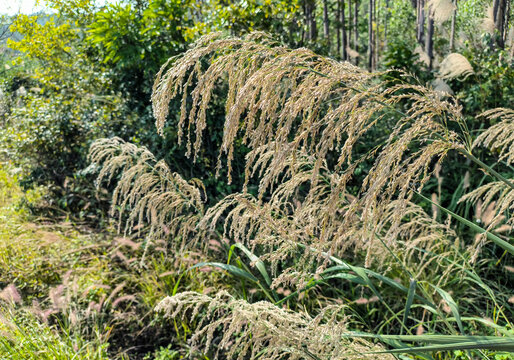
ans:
(234, 270)
(343, 266)
(408, 304)
(498, 241)
(259, 264)
(452, 304)
(444, 342)
(436, 338)
(175, 288)
(472, 345)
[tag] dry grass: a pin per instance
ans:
(308, 121)
(263, 331)
(148, 191)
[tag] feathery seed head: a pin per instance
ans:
(455, 65)
(263, 330)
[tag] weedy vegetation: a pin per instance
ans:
(268, 192)
(317, 231)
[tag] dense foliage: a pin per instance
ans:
(257, 180)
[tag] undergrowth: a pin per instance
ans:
(68, 292)
(343, 243)
(341, 251)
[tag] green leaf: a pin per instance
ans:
(443, 342)
(234, 270)
(498, 241)
(494, 345)
(452, 304)
(410, 299)
(259, 264)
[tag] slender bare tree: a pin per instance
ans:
(370, 35)
(350, 23)
(386, 20)
(507, 20)
(420, 22)
(503, 15)
(310, 18)
(452, 31)
(500, 13)
(344, 43)
(326, 23)
(356, 30)
(429, 45)
(376, 32)
(338, 28)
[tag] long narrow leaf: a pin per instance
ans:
(410, 299)
(259, 264)
(478, 345)
(444, 342)
(498, 241)
(343, 266)
(234, 270)
(452, 304)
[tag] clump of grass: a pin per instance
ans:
(312, 124)
(23, 336)
(80, 292)
(149, 189)
(261, 330)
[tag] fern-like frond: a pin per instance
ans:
(240, 330)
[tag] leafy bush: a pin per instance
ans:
(492, 83)
(48, 136)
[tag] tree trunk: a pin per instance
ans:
(350, 22)
(356, 30)
(452, 31)
(344, 43)
(507, 21)
(376, 33)
(304, 34)
(420, 23)
(385, 23)
(370, 36)
(499, 22)
(429, 47)
(338, 28)
(310, 17)
(496, 4)
(326, 23)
